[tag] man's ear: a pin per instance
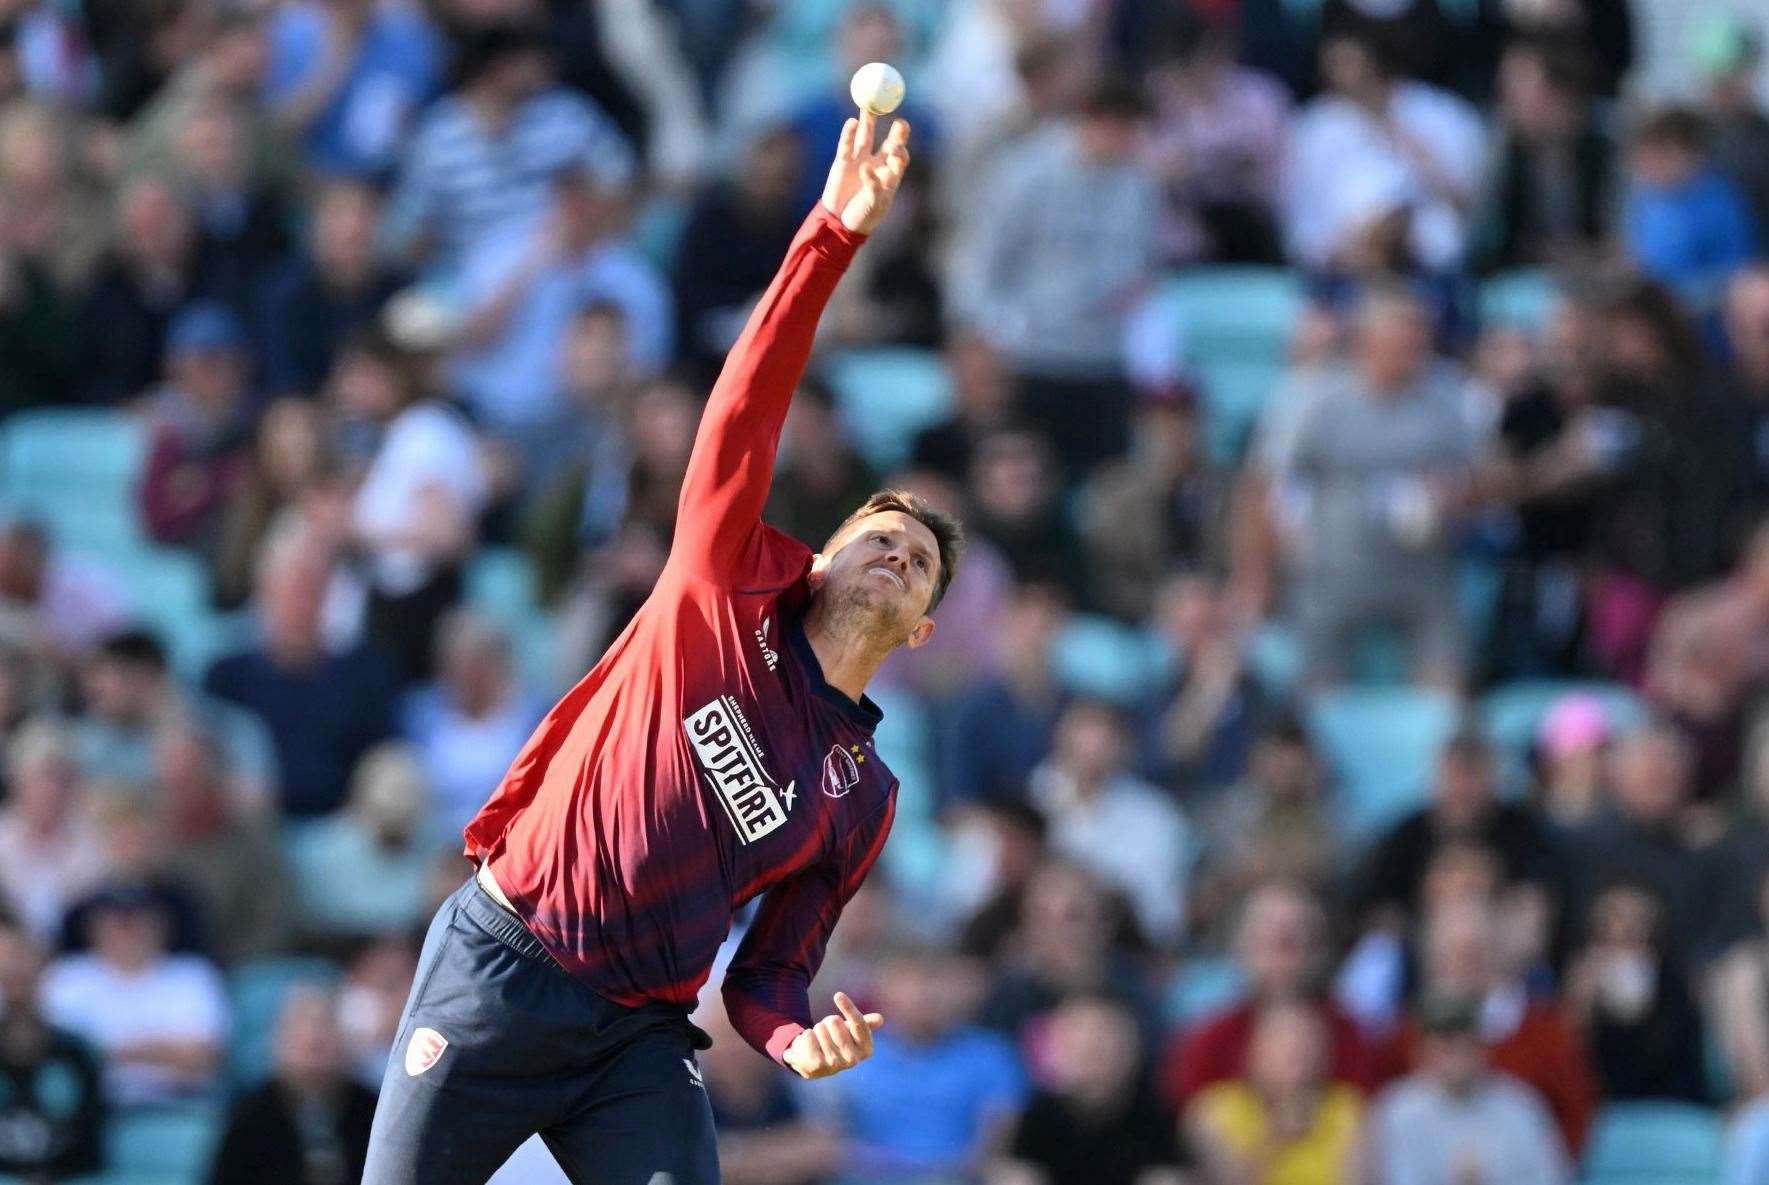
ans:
(819, 571)
(924, 629)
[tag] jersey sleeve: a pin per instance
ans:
(732, 465)
(767, 988)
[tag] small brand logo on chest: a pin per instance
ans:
(769, 654)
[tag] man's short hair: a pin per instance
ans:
(1113, 97)
(135, 648)
(1671, 127)
(948, 532)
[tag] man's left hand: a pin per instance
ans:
(835, 1043)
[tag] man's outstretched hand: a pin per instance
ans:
(835, 1043)
(862, 182)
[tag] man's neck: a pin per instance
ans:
(848, 660)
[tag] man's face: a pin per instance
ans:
(1651, 776)
(1393, 344)
(1456, 1059)
(1280, 943)
(1747, 317)
(1464, 788)
(883, 570)
(1663, 165)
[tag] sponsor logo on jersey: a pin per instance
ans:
(731, 763)
(422, 1052)
(841, 773)
(769, 654)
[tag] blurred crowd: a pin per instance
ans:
(394, 290)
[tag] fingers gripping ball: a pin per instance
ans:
(877, 87)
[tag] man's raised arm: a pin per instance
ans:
(732, 464)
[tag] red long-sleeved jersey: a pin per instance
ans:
(705, 760)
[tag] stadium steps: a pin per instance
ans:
(1381, 743)
(1653, 1144)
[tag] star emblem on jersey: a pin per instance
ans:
(423, 1051)
(840, 772)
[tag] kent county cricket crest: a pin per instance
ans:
(731, 763)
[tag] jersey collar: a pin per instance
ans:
(865, 714)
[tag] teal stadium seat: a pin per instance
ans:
(501, 584)
(1512, 714)
(1203, 985)
(1097, 656)
(1654, 1144)
(1380, 743)
(905, 742)
(256, 991)
(1519, 299)
(170, 1146)
(1235, 323)
(887, 395)
(76, 470)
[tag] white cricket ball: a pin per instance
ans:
(877, 87)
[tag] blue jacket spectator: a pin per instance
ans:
(1686, 223)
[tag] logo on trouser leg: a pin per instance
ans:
(426, 1046)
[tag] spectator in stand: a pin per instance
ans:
(938, 1094)
(55, 605)
(155, 266)
(1686, 224)
(323, 709)
(131, 697)
(1017, 504)
(1282, 1120)
(1093, 1121)
(385, 837)
(1709, 662)
(50, 851)
(1634, 1004)
(1163, 506)
(1528, 1037)
(1201, 718)
(291, 474)
(1728, 61)
(736, 234)
(227, 859)
(983, 401)
(346, 78)
(1053, 281)
(1568, 758)
(159, 1019)
(1383, 452)
(203, 418)
(1280, 950)
(415, 514)
(1602, 28)
(371, 1000)
(1375, 146)
(1464, 806)
(1101, 815)
(1746, 322)
(469, 724)
(1548, 198)
(817, 471)
(327, 290)
(307, 1125)
(239, 216)
(53, 1110)
(1645, 835)
(1217, 144)
(482, 158)
(1002, 724)
(1457, 1120)
(764, 1136)
(523, 290)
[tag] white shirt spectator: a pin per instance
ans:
(178, 998)
(465, 758)
(427, 449)
(1420, 1134)
(42, 875)
(515, 379)
(1345, 168)
(1127, 833)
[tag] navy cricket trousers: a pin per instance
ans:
(498, 1042)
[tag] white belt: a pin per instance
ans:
(490, 885)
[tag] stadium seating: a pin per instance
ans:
(1653, 1144)
(170, 1147)
(905, 741)
(501, 584)
(1098, 656)
(75, 470)
(886, 396)
(1520, 299)
(169, 592)
(256, 991)
(1512, 714)
(1380, 743)
(1202, 986)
